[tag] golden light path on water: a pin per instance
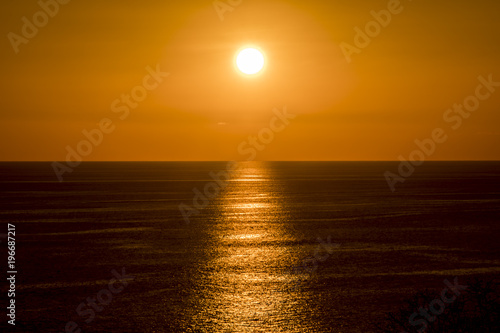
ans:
(246, 288)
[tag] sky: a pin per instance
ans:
(343, 92)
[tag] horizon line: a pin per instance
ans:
(197, 161)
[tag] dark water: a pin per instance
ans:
(231, 269)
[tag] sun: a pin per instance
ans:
(250, 61)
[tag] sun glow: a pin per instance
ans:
(250, 61)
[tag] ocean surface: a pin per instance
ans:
(279, 247)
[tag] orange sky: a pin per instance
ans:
(64, 79)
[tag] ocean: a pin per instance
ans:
(278, 247)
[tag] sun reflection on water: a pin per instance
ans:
(242, 288)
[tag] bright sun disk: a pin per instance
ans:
(250, 61)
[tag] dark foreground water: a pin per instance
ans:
(358, 249)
